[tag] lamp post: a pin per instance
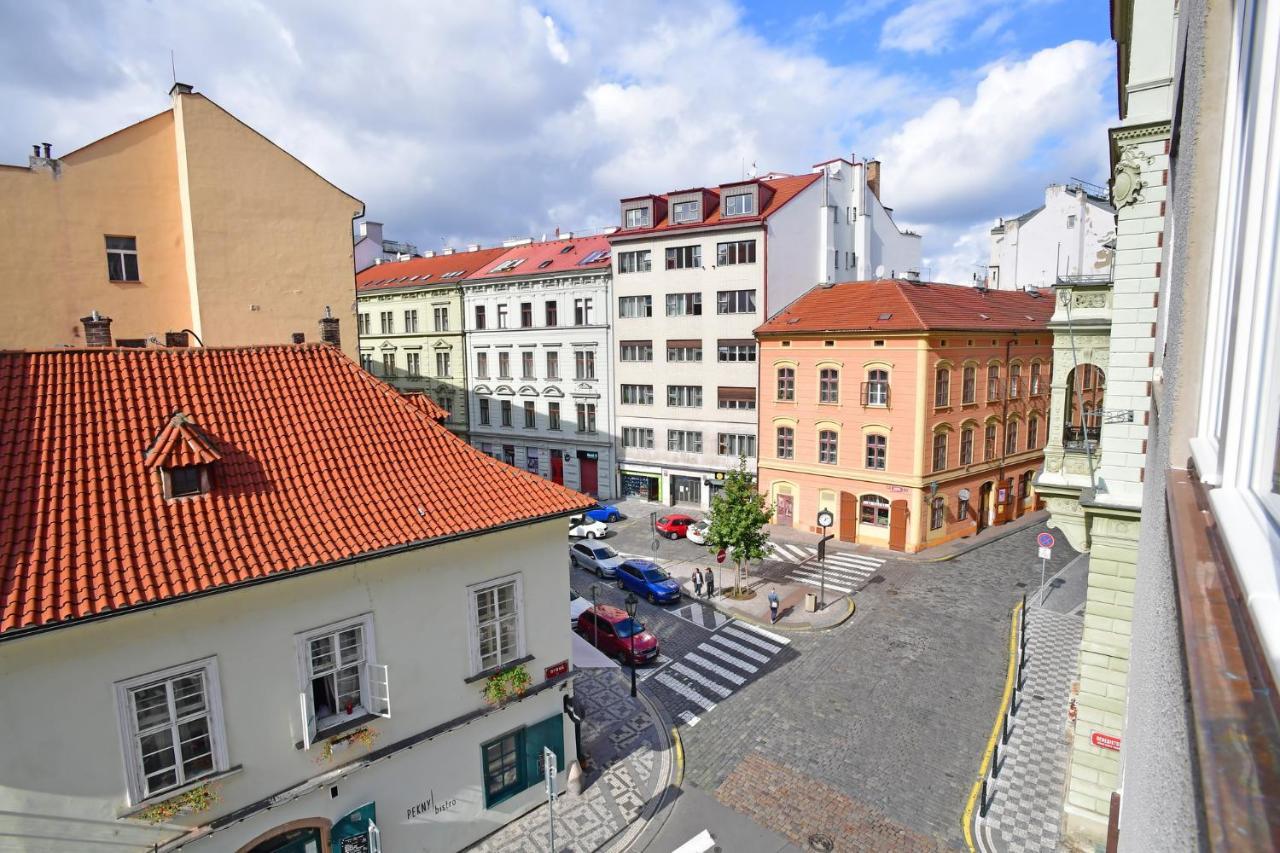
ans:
(631, 614)
(825, 520)
(594, 621)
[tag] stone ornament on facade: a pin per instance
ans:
(1127, 183)
(1090, 300)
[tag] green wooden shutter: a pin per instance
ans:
(548, 733)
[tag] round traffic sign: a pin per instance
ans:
(1045, 540)
(720, 556)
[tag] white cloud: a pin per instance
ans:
(554, 44)
(928, 25)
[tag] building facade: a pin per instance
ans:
(915, 413)
(1071, 235)
(411, 322)
(539, 357)
(695, 271)
(265, 653)
(372, 248)
(187, 220)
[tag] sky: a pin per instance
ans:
(476, 122)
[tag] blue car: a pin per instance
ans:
(607, 513)
(645, 578)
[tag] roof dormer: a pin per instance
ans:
(644, 211)
(182, 454)
(687, 207)
(744, 198)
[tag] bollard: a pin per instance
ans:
(1013, 700)
(1004, 735)
(995, 760)
(983, 805)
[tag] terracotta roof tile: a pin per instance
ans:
(425, 272)
(318, 462)
(784, 189)
(548, 256)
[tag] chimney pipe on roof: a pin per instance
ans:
(873, 177)
(97, 330)
(177, 339)
(35, 150)
(329, 332)
(48, 150)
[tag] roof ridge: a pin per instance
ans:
(911, 306)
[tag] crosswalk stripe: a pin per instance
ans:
(739, 648)
(753, 639)
(732, 677)
(690, 718)
(860, 572)
(686, 691)
(815, 580)
(785, 551)
(726, 657)
(692, 674)
(768, 635)
(851, 560)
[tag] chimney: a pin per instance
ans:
(97, 330)
(448, 251)
(48, 150)
(372, 230)
(873, 177)
(180, 89)
(299, 338)
(473, 247)
(176, 339)
(329, 333)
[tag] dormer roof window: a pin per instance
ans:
(686, 211)
(182, 455)
(740, 204)
(637, 217)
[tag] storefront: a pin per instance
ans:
(640, 485)
(686, 491)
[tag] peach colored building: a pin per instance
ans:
(916, 413)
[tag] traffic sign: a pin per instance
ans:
(1045, 540)
(1046, 553)
(720, 556)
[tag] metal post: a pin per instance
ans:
(1043, 591)
(822, 589)
(995, 760)
(982, 806)
(551, 820)
(633, 660)
(1004, 735)
(595, 621)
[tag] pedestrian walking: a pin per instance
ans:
(710, 579)
(773, 605)
(697, 582)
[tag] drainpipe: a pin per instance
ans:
(1004, 415)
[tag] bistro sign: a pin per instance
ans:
(430, 806)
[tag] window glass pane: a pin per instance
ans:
(188, 694)
(157, 755)
(115, 267)
(151, 706)
(322, 654)
(350, 645)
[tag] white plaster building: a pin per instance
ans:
(695, 272)
(372, 248)
(1069, 235)
(539, 368)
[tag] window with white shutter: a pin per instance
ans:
(341, 679)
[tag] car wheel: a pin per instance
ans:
(620, 586)
(622, 658)
(653, 599)
(613, 519)
(673, 536)
(592, 535)
(599, 572)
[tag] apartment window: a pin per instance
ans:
(413, 364)
(497, 624)
(362, 324)
(1033, 432)
(941, 388)
(736, 302)
(1071, 221)
(553, 416)
(553, 365)
(739, 204)
(1015, 381)
(440, 318)
(587, 417)
(637, 437)
(937, 513)
(504, 365)
(388, 322)
(877, 452)
(505, 407)
(939, 451)
(635, 306)
(175, 729)
(786, 383)
(636, 351)
(530, 417)
(1011, 438)
(962, 509)
(551, 312)
(989, 443)
(366, 361)
(584, 364)
(993, 382)
(637, 395)
(342, 681)
(684, 304)
(786, 443)
(689, 350)
(445, 400)
(411, 321)
(828, 447)
(388, 364)
(442, 364)
(684, 396)
(737, 252)
(526, 364)
(736, 444)
(502, 316)
(828, 385)
(875, 391)
(484, 411)
(122, 259)
(966, 446)
(581, 311)
(480, 317)
(1035, 379)
(736, 351)
(685, 441)
(482, 365)
(736, 398)
(686, 211)
(968, 391)
(526, 315)
(684, 257)
(875, 511)
(641, 261)
(637, 217)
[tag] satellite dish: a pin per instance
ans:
(880, 271)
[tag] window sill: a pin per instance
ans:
(494, 670)
(124, 281)
(143, 805)
(336, 729)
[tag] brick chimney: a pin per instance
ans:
(299, 338)
(177, 339)
(873, 177)
(329, 333)
(97, 330)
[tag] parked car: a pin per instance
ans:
(607, 512)
(585, 528)
(577, 605)
(601, 560)
(610, 630)
(697, 532)
(675, 525)
(647, 579)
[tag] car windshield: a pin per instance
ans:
(627, 627)
(605, 552)
(655, 575)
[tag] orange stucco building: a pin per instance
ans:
(915, 412)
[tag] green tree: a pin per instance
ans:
(738, 517)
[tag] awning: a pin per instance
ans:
(586, 656)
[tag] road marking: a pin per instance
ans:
(739, 648)
(753, 638)
(717, 669)
(854, 561)
(658, 663)
(693, 675)
(793, 552)
(726, 657)
(814, 579)
(833, 571)
(690, 719)
(697, 614)
(777, 638)
(686, 691)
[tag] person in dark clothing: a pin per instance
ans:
(711, 583)
(773, 606)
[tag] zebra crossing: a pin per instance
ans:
(846, 573)
(716, 668)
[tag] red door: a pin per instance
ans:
(786, 506)
(557, 467)
(590, 476)
(848, 517)
(898, 526)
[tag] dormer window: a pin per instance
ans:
(637, 217)
(686, 211)
(186, 481)
(182, 456)
(739, 204)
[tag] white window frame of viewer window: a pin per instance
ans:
(388, 364)
(475, 627)
(582, 311)
(375, 696)
(482, 365)
(502, 316)
(684, 353)
(735, 252)
(736, 444)
(586, 418)
(130, 737)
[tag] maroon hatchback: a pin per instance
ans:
(610, 630)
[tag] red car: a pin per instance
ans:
(609, 629)
(675, 525)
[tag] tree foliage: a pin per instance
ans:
(738, 517)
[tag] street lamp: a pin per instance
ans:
(594, 621)
(631, 614)
(825, 520)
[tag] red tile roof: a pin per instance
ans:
(893, 305)
(318, 462)
(784, 189)
(428, 270)
(430, 407)
(550, 256)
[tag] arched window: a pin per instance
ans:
(938, 513)
(1086, 390)
(1011, 438)
(993, 383)
(1015, 381)
(828, 385)
(989, 442)
(941, 388)
(939, 451)
(966, 446)
(1033, 432)
(875, 391)
(969, 390)
(877, 452)
(786, 383)
(875, 511)
(828, 447)
(1036, 388)
(786, 443)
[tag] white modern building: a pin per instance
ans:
(540, 381)
(372, 248)
(1071, 235)
(695, 272)
(278, 619)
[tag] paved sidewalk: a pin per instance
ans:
(791, 612)
(1026, 798)
(633, 770)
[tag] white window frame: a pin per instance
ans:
(636, 217)
(375, 695)
(128, 727)
(747, 208)
(473, 625)
(686, 211)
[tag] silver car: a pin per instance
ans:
(596, 557)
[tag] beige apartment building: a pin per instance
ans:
(189, 219)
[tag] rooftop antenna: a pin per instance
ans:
(173, 68)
